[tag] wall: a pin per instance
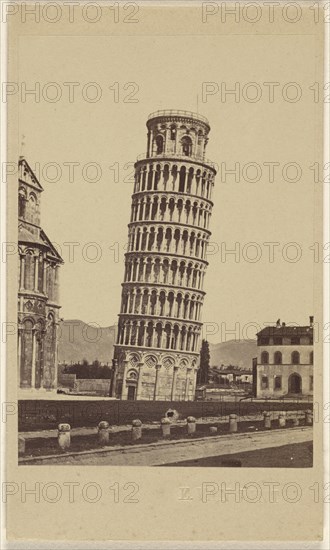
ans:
(66, 380)
(47, 414)
(305, 371)
(97, 386)
(287, 350)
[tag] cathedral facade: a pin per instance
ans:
(38, 290)
(157, 351)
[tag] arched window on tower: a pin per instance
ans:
(159, 144)
(186, 146)
(173, 132)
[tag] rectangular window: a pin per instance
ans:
(278, 383)
(264, 341)
(311, 382)
(264, 382)
(295, 340)
(278, 341)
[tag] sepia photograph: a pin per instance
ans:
(164, 259)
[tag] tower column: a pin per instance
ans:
(187, 385)
(156, 389)
(124, 390)
(174, 379)
(139, 384)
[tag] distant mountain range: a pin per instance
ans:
(78, 341)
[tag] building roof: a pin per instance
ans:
(286, 331)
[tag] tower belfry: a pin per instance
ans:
(157, 350)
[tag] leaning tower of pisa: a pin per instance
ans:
(158, 344)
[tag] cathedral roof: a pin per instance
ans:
(25, 236)
(27, 175)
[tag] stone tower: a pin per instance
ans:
(158, 343)
(38, 290)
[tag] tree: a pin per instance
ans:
(89, 371)
(204, 368)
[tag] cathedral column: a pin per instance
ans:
(36, 272)
(56, 284)
(19, 355)
(33, 365)
(175, 376)
(156, 388)
(22, 284)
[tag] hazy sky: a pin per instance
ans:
(169, 73)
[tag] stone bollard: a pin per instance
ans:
(213, 429)
(63, 436)
(309, 417)
(267, 420)
(282, 420)
(166, 427)
(21, 445)
(295, 421)
(103, 432)
(191, 423)
(136, 430)
(232, 423)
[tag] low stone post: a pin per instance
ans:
(136, 429)
(233, 423)
(191, 424)
(21, 445)
(295, 421)
(213, 429)
(103, 432)
(166, 427)
(267, 420)
(282, 420)
(309, 417)
(64, 436)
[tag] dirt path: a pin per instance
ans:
(164, 453)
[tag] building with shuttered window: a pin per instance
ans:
(284, 365)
